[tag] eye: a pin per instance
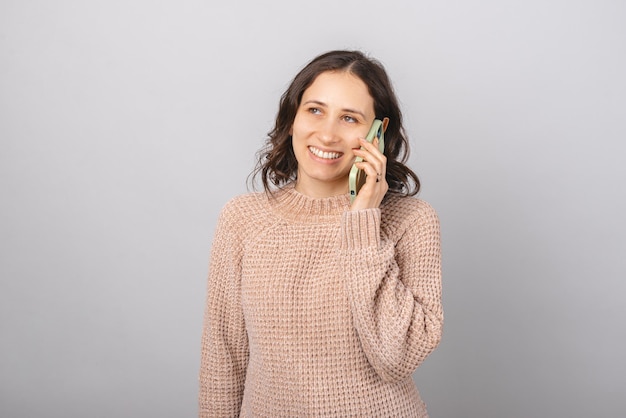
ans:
(314, 110)
(349, 119)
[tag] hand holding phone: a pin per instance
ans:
(357, 176)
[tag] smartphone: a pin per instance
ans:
(358, 176)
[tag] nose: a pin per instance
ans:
(328, 131)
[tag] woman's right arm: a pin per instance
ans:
(224, 340)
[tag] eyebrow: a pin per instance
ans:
(317, 102)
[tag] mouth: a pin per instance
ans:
(324, 154)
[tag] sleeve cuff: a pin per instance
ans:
(360, 229)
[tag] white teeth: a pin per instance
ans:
(326, 155)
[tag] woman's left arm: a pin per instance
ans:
(394, 287)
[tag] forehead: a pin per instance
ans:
(339, 88)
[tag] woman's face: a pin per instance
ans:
(335, 111)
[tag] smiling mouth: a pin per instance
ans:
(325, 155)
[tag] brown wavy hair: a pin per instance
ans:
(276, 161)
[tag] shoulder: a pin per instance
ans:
(246, 218)
(243, 202)
(400, 213)
(399, 208)
(245, 208)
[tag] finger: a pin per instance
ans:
(379, 164)
(370, 150)
(371, 166)
(370, 146)
(374, 152)
(374, 174)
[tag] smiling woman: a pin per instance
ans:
(277, 164)
(336, 111)
(318, 306)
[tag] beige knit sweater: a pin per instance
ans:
(317, 311)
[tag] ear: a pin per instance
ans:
(385, 123)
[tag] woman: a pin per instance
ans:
(318, 306)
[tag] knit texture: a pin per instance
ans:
(317, 311)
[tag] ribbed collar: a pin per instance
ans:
(295, 206)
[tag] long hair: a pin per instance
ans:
(276, 161)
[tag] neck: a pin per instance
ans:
(321, 189)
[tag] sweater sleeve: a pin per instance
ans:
(394, 288)
(224, 355)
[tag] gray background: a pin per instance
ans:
(126, 125)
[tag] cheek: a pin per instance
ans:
(295, 126)
(298, 144)
(353, 142)
(352, 138)
(298, 120)
(300, 130)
